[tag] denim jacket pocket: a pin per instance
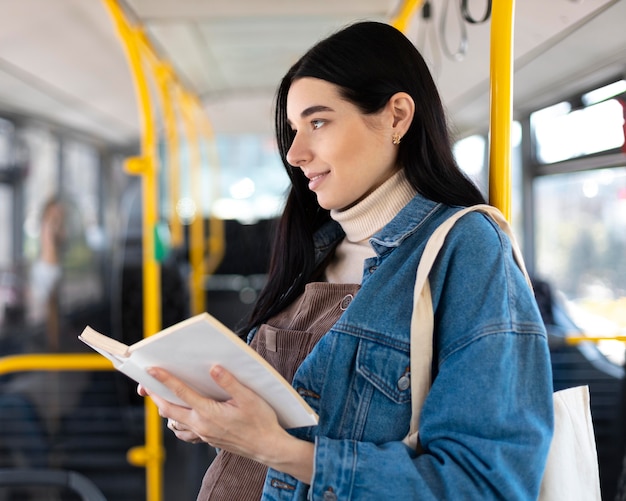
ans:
(387, 369)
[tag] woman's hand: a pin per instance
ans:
(245, 424)
(183, 433)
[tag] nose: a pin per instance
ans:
(299, 153)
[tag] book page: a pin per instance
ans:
(189, 349)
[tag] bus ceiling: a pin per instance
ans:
(61, 60)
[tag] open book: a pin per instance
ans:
(188, 350)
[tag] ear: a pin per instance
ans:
(402, 108)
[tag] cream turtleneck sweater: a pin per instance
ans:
(363, 220)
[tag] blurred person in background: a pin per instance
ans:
(46, 272)
(33, 403)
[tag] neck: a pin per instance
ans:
(363, 220)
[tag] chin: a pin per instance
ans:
(340, 205)
(329, 205)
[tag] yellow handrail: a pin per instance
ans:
(150, 456)
(52, 362)
(572, 340)
(138, 456)
(173, 98)
(146, 166)
(501, 85)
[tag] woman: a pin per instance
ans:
(362, 134)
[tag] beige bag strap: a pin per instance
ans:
(422, 321)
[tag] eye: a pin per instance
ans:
(317, 123)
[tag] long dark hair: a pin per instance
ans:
(369, 62)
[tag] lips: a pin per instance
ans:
(316, 179)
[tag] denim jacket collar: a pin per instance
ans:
(326, 238)
(407, 221)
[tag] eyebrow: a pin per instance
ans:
(311, 110)
(314, 109)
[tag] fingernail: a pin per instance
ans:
(217, 372)
(153, 371)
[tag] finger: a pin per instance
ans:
(241, 396)
(174, 425)
(182, 432)
(180, 389)
(173, 412)
(228, 382)
(162, 404)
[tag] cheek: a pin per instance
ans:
(347, 152)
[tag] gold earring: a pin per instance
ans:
(395, 138)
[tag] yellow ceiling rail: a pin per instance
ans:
(501, 102)
(405, 13)
(146, 165)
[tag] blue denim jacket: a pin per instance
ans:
(486, 424)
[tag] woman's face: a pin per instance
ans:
(344, 153)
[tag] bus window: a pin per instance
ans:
(470, 153)
(10, 291)
(6, 196)
(562, 132)
(81, 186)
(6, 242)
(253, 180)
(581, 248)
(41, 183)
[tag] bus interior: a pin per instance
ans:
(108, 106)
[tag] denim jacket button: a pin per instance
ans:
(404, 382)
(345, 302)
(329, 495)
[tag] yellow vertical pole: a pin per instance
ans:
(196, 234)
(146, 165)
(216, 241)
(195, 125)
(166, 86)
(501, 102)
(405, 12)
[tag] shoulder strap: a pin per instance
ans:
(422, 323)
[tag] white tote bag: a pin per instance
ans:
(571, 472)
